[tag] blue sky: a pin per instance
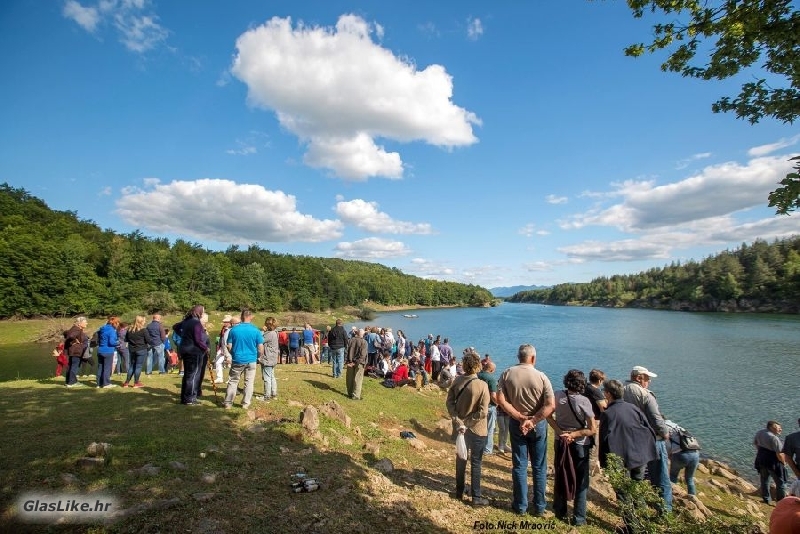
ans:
(496, 143)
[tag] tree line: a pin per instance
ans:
(53, 263)
(757, 277)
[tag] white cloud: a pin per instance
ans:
(365, 215)
(106, 191)
(86, 17)
(527, 230)
(542, 232)
(624, 250)
(553, 199)
(222, 211)
(429, 29)
(137, 26)
(682, 164)
(474, 28)
(339, 91)
(371, 248)
(715, 191)
(539, 266)
(763, 150)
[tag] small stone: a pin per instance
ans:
(178, 466)
(203, 497)
(309, 418)
(417, 444)
(373, 448)
(69, 478)
(202, 455)
(209, 478)
(90, 463)
(385, 466)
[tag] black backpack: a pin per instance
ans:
(687, 441)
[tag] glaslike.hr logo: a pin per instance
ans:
(64, 508)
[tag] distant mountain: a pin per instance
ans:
(508, 291)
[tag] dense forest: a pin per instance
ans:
(759, 277)
(53, 263)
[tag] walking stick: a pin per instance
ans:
(212, 377)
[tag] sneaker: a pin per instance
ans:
(75, 385)
(138, 385)
(180, 374)
(218, 381)
(261, 398)
(107, 386)
(125, 385)
(480, 501)
(245, 406)
(227, 406)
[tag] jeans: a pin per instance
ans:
(237, 369)
(688, 460)
(475, 445)
(156, 356)
(104, 364)
(135, 366)
(338, 362)
(413, 374)
(779, 476)
(270, 383)
(325, 355)
(502, 431)
(533, 447)
(123, 362)
(580, 461)
(491, 418)
(72, 371)
(658, 472)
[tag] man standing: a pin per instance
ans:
(791, 449)
(246, 345)
(446, 351)
(770, 461)
(156, 353)
(356, 361)
(638, 394)
(487, 375)
(337, 339)
(269, 359)
(526, 395)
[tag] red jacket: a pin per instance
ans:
(401, 373)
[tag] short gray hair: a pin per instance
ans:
(526, 351)
(614, 388)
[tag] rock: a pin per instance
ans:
(203, 497)
(385, 466)
(373, 448)
(334, 410)
(90, 463)
(177, 466)
(703, 469)
(69, 478)
(295, 404)
(284, 450)
(417, 444)
(309, 419)
(147, 470)
(357, 431)
(740, 485)
(306, 452)
(724, 473)
(209, 478)
(256, 428)
(344, 440)
(721, 485)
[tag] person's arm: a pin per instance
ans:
(653, 414)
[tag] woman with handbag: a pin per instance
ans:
(574, 425)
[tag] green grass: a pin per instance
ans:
(47, 427)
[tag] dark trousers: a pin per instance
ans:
(72, 372)
(580, 462)
(104, 364)
(137, 359)
(436, 368)
(475, 445)
(193, 371)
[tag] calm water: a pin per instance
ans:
(722, 376)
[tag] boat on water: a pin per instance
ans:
(410, 315)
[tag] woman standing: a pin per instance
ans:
(75, 342)
(107, 341)
(193, 350)
(270, 359)
(138, 339)
(123, 360)
(573, 422)
(468, 405)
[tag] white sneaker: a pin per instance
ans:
(219, 381)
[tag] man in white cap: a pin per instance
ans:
(638, 394)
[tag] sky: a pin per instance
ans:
(495, 143)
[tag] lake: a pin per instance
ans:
(722, 376)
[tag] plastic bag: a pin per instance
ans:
(461, 446)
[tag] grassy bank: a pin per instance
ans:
(205, 469)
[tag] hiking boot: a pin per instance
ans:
(480, 501)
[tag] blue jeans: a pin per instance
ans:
(533, 447)
(475, 445)
(104, 364)
(779, 476)
(72, 370)
(123, 362)
(491, 418)
(270, 383)
(155, 356)
(658, 472)
(423, 372)
(688, 460)
(338, 362)
(325, 354)
(580, 461)
(135, 366)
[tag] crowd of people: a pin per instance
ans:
(590, 418)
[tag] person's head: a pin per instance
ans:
(113, 320)
(197, 311)
(446, 340)
(81, 322)
(204, 319)
(596, 376)
(123, 325)
(575, 381)
(360, 332)
(526, 354)
(642, 376)
(613, 390)
(327, 328)
(246, 315)
(138, 323)
(235, 320)
(471, 363)
(271, 323)
(774, 427)
(157, 317)
(338, 322)
(226, 320)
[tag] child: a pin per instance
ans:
(61, 359)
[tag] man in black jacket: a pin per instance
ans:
(337, 339)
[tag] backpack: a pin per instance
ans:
(687, 441)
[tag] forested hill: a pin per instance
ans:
(761, 277)
(53, 263)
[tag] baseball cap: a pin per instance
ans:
(639, 370)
